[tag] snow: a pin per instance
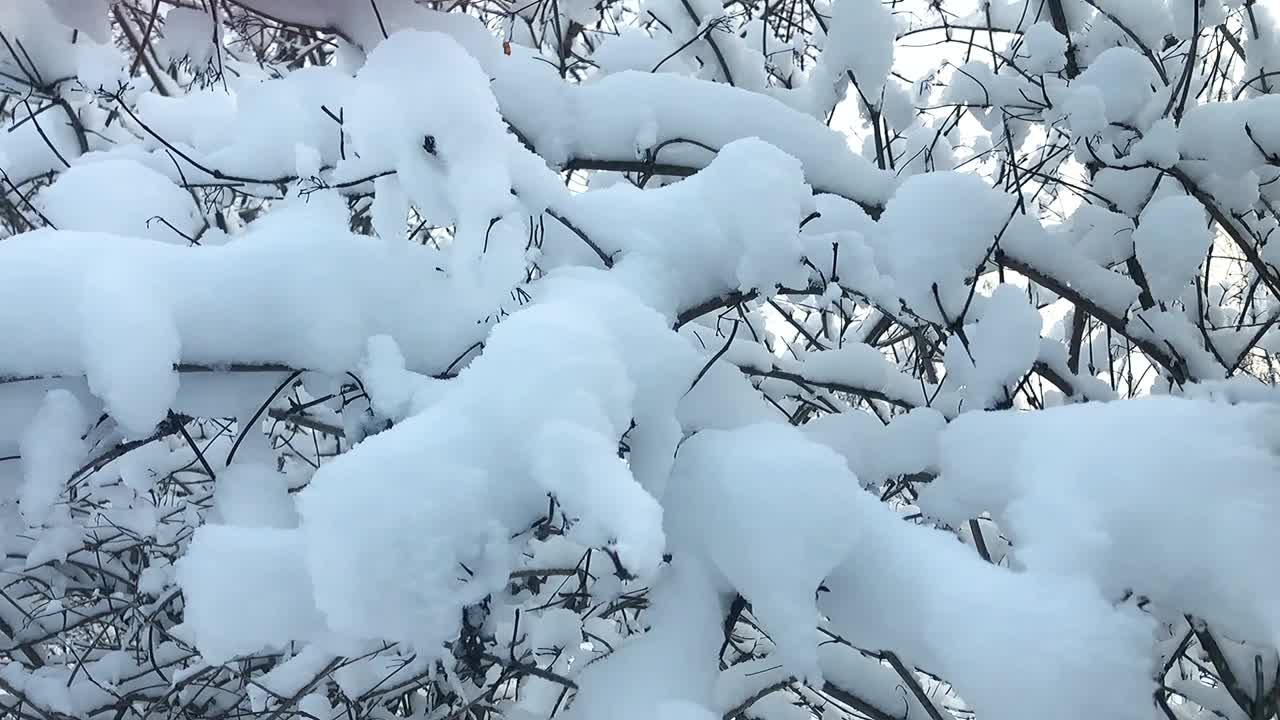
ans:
(578, 361)
(1000, 348)
(1170, 241)
(51, 450)
(1126, 83)
(860, 38)
(360, 24)
(1148, 19)
(476, 493)
(1081, 504)
(126, 196)
(1004, 639)
(575, 463)
(188, 33)
(876, 452)
(723, 482)
(869, 679)
(88, 16)
(130, 344)
(44, 687)
(384, 556)
(278, 311)
(1029, 243)
(922, 248)
(1225, 146)
(861, 367)
(271, 117)
(49, 51)
(461, 178)
(246, 589)
(635, 50)
(602, 120)
(24, 154)
(1045, 48)
(1159, 145)
(743, 211)
(672, 663)
(170, 117)
(394, 391)
(253, 495)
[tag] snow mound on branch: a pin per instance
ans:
(934, 234)
(1126, 83)
(1005, 640)
(638, 115)
(1045, 47)
(1170, 242)
(130, 344)
(754, 502)
(1118, 492)
(876, 452)
(1001, 348)
(188, 33)
(386, 548)
(246, 589)
(394, 391)
(732, 226)
(416, 523)
(671, 666)
(633, 49)
(445, 139)
(122, 197)
(860, 38)
(51, 450)
(297, 288)
(88, 16)
(253, 495)
(271, 118)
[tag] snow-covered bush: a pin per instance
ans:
(639, 359)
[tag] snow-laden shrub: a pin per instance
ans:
(655, 360)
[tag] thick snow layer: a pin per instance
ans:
(1126, 83)
(876, 452)
(246, 589)
(860, 37)
(1046, 253)
(1102, 491)
(733, 226)
(725, 483)
(264, 298)
(445, 140)
(24, 154)
(624, 115)
(51, 450)
(120, 197)
(1000, 348)
(188, 33)
(255, 496)
(566, 410)
(926, 251)
(672, 663)
(445, 489)
(1045, 48)
(1170, 242)
(129, 342)
(1005, 640)
(860, 367)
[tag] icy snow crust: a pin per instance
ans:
(718, 496)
